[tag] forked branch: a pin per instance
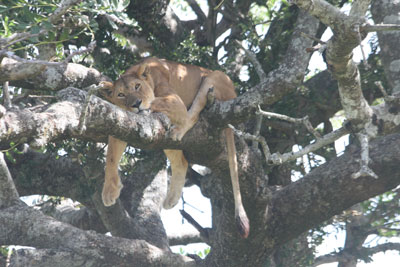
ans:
(304, 121)
(277, 158)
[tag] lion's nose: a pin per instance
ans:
(137, 103)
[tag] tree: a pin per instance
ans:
(53, 129)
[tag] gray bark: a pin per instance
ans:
(277, 215)
(387, 12)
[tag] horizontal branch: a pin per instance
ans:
(337, 191)
(82, 218)
(380, 27)
(319, 143)
(54, 78)
(136, 215)
(277, 158)
(185, 239)
(344, 254)
(62, 120)
(9, 54)
(43, 232)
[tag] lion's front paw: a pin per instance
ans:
(110, 193)
(171, 200)
(177, 133)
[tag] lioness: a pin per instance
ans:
(170, 88)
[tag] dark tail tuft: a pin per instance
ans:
(242, 223)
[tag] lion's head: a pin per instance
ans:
(133, 91)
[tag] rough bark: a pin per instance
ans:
(290, 211)
(68, 246)
(158, 18)
(53, 78)
(277, 215)
(387, 12)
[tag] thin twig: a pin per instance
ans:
(22, 37)
(304, 121)
(380, 27)
(219, 5)
(10, 54)
(381, 88)
(277, 158)
(257, 65)
(204, 232)
(89, 49)
(388, 98)
(257, 129)
(184, 202)
(318, 47)
(313, 38)
(259, 139)
(62, 9)
(367, 66)
(327, 139)
(53, 18)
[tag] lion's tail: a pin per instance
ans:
(242, 222)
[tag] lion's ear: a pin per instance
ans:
(143, 71)
(106, 89)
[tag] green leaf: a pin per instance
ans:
(47, 25)
(3, 9)
(112, 23)
(35, 29)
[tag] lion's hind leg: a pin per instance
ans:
(179, 166)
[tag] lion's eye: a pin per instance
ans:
(137, 86)
(121, 95)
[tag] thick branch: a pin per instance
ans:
(196, 9)
(158, 19)
(337, 190)
(278, 83)
(328, 14)
(82, 218)
(387, 12)
(346, 255)
(135, 216)
(8, 193)
(23, 225)
(36, 76)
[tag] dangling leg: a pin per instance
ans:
(112, 182)
(179, 167)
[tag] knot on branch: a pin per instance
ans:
(72, 94)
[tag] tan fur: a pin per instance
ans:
(170, 88)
